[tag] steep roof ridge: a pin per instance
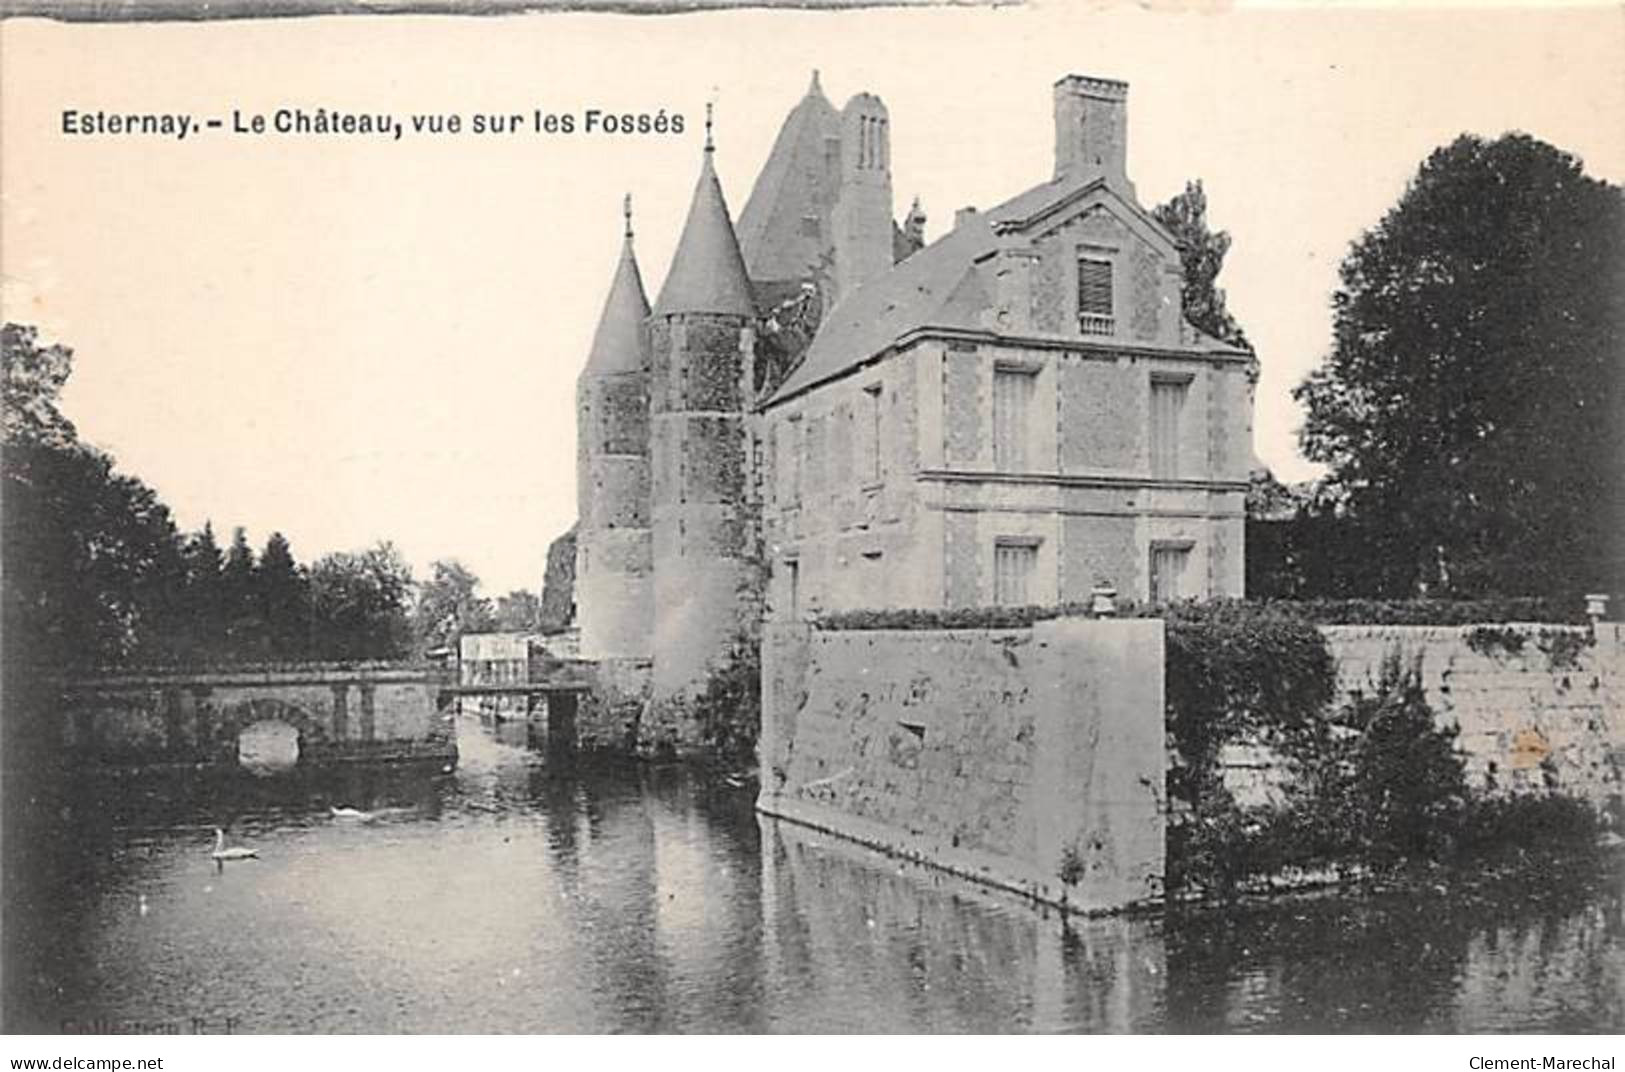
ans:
(815, 115)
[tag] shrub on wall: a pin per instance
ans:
(729, 710)
(1237, 671)
(1377, 781)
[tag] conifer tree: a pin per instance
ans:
(204, 600)
(283, 593)
(244, 620)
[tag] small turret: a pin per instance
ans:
(614, 566)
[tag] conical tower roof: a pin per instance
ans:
(621, 343)
(707, 273)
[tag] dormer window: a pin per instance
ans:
(1094, 296)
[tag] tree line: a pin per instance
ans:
(98, 574)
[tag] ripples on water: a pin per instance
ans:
(516, 896)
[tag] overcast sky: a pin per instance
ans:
(350, 339)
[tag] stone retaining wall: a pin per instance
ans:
(1539, 708)
(1031, 759)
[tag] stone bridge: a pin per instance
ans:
(336, 712)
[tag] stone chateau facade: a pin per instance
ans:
(822, 413)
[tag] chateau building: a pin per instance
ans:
(818, 414)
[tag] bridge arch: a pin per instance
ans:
(243, 714)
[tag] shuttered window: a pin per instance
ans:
(1012, 398)
(1167, 404)
(1168, 562)
(1013, 567)
(1094, 296)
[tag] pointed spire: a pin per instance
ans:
(626, 210)
(621, 343)
(817, 87)
(707, 273)
(709, 145)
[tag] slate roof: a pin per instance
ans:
(621, 343)
(941, 286)
(707, 274)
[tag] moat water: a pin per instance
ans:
(515, 895)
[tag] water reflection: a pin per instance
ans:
(516, 895)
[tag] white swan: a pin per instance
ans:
(352, 814)
(221, 854)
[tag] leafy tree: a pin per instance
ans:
(1201, 255)
(518, 612)
(1471, 411)
(34, 376)
(361, 604)
(450, 605)
(81, 545)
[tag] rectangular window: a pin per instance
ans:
(790, 453)
(1167, 406)
(1014, 564)
(872, 454)
(1094, 296)
(1168, 562)
(792, 585)
(1012, 398)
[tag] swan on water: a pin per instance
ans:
(352, 814)
(221, 854)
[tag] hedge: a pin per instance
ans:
(1317, 612)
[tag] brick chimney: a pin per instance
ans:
(1091, 128)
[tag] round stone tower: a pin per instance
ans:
(701, 342)
(614, 582)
